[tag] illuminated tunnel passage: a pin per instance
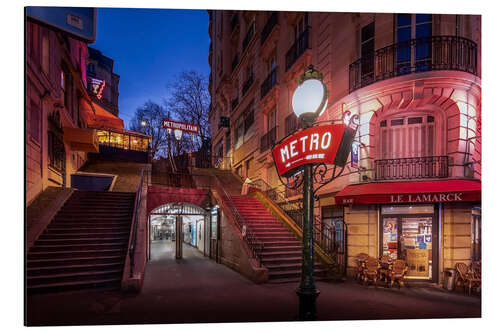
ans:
(178, 230)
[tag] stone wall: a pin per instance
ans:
(362, 233)
(456, 233)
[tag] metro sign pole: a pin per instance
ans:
(302, 158)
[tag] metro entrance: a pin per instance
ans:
(174, 225)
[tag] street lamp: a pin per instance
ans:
(308, 102)
(178, 137)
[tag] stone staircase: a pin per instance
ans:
(282, 253)
(84, 246)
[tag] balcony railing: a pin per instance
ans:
(248, 36)
(235, 62)
(298, 48)
(412, 168)
(234, 22)
(268, 140)
(271, 22)
(247, 85)
(268, 83)
(413, 56)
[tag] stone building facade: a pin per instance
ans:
(102, 82)
(414, 80)
(56, 102)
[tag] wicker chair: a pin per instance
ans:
(360, 265)
(385, 262)
(466, 278)
(398, 272)
(370, 271)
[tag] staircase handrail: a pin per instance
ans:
(255, 245)
(324, 236)
(135, 219)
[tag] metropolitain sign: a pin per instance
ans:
(328, 144)
(170, 124)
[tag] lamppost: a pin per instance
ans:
(311, 148)
(178, 137)
(308, 102)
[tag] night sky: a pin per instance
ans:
(149, 47)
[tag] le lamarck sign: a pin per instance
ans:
(328, 144)
(191, 128)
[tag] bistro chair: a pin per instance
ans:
(370, 271)
(360, 265)
(475, 267)
(466, 277)
(385, 262)
(398, 272)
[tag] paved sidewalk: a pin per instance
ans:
(198, 290)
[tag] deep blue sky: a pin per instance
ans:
(149, 47)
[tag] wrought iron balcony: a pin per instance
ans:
(247, 85)
(235, 62)
(271, 22)
(248, 37)
(298, 48)
(234, 22)
(268, 83)
(412, 168)
(268, 140)
(413, 56)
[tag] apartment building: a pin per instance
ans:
(411, 187)
(57, 138)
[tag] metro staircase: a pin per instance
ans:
(282, 251)
(84, 246)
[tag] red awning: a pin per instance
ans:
(102, 118)
(411, 192)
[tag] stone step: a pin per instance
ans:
(48, 270)
(82, 241)
(76, 276)
(108, 284)
(82, 235)
(91, 260)
(76, 253)
(69, 247)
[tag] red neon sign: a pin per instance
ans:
(314, 145)
(191, 128)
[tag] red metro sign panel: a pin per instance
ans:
(314, 145)
(170, 124)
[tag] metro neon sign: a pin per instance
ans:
(317, 144)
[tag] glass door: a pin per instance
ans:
(410, 237)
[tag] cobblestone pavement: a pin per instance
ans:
(198, 290)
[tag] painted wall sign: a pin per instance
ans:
(410, 198)
(317, 144)
(170, 124)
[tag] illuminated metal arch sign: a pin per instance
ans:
(324, 144)
(181, 208)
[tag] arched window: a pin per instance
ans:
(407, 136)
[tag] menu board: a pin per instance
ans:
(418, 262)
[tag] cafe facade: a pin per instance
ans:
(412, 186)
(414, 80)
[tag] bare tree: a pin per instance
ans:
(148, 120)
(189, 101)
